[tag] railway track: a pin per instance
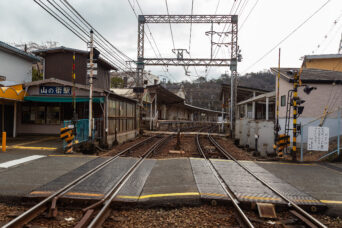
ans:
(50, 203)
(293, 208)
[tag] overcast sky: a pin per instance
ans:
(271, 20)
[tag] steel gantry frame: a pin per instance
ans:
(199, 19)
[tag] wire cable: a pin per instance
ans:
(287, 36)
(249, 13)
(167, 10)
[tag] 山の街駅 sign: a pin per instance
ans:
(318, 138)
(55, 90)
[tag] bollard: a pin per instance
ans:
(4, 141)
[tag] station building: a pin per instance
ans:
(49, 102)
(15, 69)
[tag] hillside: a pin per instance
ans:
(206, 94)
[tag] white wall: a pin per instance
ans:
(246, 129)
(316, 101)
(15, 68)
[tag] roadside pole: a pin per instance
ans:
(295, 112)
(91, 45)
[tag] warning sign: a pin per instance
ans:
(318, 138)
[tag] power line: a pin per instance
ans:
(155, 43)
(77, 33)
(287, 36)
(249, 13)
(192, 11)
(218, 3)
(152, 37)
(325, 38)
(167, 10)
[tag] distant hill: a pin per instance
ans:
(206, 94)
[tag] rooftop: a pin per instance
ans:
(311, 75)
(326, 56)
(43, 52)
(16, 51)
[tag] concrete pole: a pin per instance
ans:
(267, 101)
(15, 120)
(91, 85)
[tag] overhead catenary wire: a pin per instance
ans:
(327, 35)
(287, 36)
(152, 37)
(168, 13)
(84, 30)
(190, 36)
(83, 37)
(249, 13)
(85, 21)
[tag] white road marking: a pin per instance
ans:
(20, 161)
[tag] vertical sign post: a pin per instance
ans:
(91, 85)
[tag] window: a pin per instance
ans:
(53, 115)
(40, 114)
(283, 100)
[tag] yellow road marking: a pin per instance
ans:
(40, 193)
(331, 201)
(170, 194)
(32, 148)
(127, 197)
(84, 194)
(181, 194)
(213, 194)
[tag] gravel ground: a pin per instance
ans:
(118, 148)
(198, 216)
(210, 150)
(187, 145)
(235, 151)
(201, 216)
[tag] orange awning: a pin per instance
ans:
(14, 93)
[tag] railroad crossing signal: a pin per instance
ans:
(68, 136)
(283, 141)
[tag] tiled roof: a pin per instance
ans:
(41, 52)
(311, 75)
(18, 52)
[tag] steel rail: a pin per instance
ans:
(229, 193)
(289, 202)
(104, 212)
(39, 208)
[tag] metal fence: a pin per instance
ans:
(331, 134)
(82, 130)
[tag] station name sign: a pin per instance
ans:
(55, 90)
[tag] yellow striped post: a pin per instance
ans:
(295, 112)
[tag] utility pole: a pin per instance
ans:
(295, 112)
(91, 45)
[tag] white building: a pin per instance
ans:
(15, 65)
